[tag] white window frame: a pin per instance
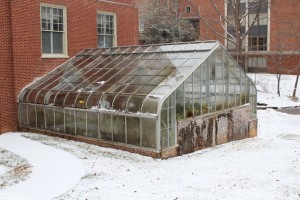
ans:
(188, 9)
(65, 32)
(115, 26)
(175, 5)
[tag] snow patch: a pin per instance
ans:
(3, 169)
(54, 171)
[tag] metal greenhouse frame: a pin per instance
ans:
(134, 95)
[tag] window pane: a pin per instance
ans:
(49, 118)
(133, 131)
(40, 117)
(57, 42)
(80, 123)
(31, 116)
(108, 41)
(105, 126)
(148, 133)
(46, 42)
(92, 128)
(119, 128)
(59, 121)
(100, 41)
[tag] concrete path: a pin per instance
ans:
(54, 171)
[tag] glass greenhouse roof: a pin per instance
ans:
(129, 79)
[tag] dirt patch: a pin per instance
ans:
(18, 169)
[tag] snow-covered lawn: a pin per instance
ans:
(264, 167)
(267, 90)
(3, 169)
(53, 171)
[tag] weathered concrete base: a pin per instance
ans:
(170, 152)
(253, 128)
(215, 128)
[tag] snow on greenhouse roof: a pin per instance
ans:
(131, 78)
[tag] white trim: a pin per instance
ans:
(54, 56)
(188, 7)
(65, 32)
(225, 40)
(269, 27)
(246, 28)
(115, 36)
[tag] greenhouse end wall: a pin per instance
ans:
(214, 129)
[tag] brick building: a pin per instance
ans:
(37, 36)
(273, 43)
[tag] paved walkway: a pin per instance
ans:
(54, 171)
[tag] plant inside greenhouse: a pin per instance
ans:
(145, 98)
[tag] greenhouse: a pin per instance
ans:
(139, 98)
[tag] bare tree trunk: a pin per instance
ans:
(278, 84)
(295, 87)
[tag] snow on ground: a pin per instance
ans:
(2, 169)
(264, 167)
(17, 169)
(54, 171)
(267, 90)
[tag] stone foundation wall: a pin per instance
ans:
(213, 129)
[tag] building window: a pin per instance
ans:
(188, 9)
(257, 43)
(53, 27)
(175, 5)
(257, 62)
(141, 25)
(166, 4)
(106, 29)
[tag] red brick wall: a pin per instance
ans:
(26, 39)
(8, 108)
(284, 37)
(206, 9)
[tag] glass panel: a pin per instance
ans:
(92, 125)
(40, 117)
(70, 121)
(188, 95)
(100, 40)
(164, 138)
(180, 102)
(31, 116)
(118, 128)
(46, 42)
(105, 126)
(108, 41)
(49, 118)
(133, 131)
(150, 105)
(120, 102)
(80, 123)
(40, 97)
(59, 120)
(23, 114)
(81, 100)
(164, 118)
(146, 89)
(172, 133)
(70, 99)
(148, 133)
(106, 101)
(135, 103)
(59, 98)
(93, 100)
